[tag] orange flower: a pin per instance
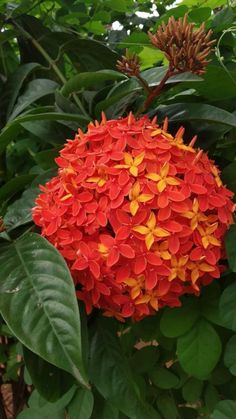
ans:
(138, 215)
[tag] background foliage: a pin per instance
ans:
(57, 72)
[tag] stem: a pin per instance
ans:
(143, 84)
(51, 62)
(157, 90)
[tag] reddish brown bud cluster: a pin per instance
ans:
(185, 48)
(130, 64)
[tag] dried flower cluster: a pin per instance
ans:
(186, 49)
(138, 215)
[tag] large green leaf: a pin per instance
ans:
(154, 75)
(15, 83)
(228, 306)
(35, 90)
(51, 382)
(88, 79)
(192, 390)
(230, 355)
(164, 378)
(225, 409)
(179, 112)
(199, 350)
(37, 301)
(112, 375)
(177, 321)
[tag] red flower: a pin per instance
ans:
(138, 215)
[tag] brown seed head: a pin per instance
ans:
(129, 65)
(186, 49)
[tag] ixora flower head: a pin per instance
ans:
(138, 215)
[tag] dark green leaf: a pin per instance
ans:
(51, 382)
(199, 349)
(192, 390)
(81, 405)
(163, 378)
(230, 355)
(211, 397)
(15, 83)
(227, 302)
(177, 321)
(228, 176)
(14, 186)
(35, 90)
(86, 80)
(167, 407)
(37, 301)
(112, 375)
(144, 359)
(179, 112)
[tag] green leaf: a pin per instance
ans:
(179, 112)
(46, 158)
(144, 359)
(154, 75)
(12, 129)
(228, 176)
(96, 27)
(81, 406)
(15, 83)
(112, 375)
(177, 321)
(51, 382)
(37, 301)
(211, 397)
(223, 19)
(163, 378)
(90, 79)
(225, 409)
(42, 409)
(199, 350)
(167, 406)
(188, 413)
(227, 305)
(192, 390)
(35, 90)
(14, 185)
(118, 5)
(199, 15)
(209, 303)
(230, 238)
(230, 355)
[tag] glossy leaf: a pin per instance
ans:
(179, 112)
(51, 382)
(37, 301)
(35, 90)
(199, 350)
(164, 378)
(15, 83)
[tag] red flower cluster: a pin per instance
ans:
(138, 215)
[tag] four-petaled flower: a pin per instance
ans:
(163, 179)
(131, 163)
(195, 215)
(136, 198)
(151, 230)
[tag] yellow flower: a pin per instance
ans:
(131, 163)
(150, 230)
(178, 268)
(163, 179)
(195, 215)
(136, 198)
(207, 237)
